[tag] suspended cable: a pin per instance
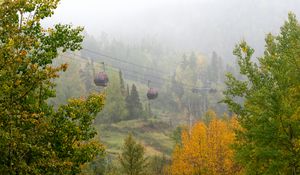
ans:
(130, 73)
(152, 76)
(123, 61)
(129, 70)
(141, 78)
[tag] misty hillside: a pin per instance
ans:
(160, 87)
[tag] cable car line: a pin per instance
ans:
(138, 73)
(129, 73)
(122, 68)
(152, 76)
(123, 61)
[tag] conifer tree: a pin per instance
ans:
(127, 90)
(115, 108)
(215, 69)
(134, 105)
(132, 159)
(122, 84)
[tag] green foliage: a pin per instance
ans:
(132, 159)
(157, 164)
(134, 105)
(35, 138)
(176, 135)
(268, 142)
(87, 77)
(68, 85)
(188, 74)
(122, 83)
(101, 165)
(115, 109)
(155, 136)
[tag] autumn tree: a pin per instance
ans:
(35, 138)
(206, 150)
(270, 111)
(132, 159)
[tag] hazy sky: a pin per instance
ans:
(201, 25)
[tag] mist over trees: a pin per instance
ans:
(203, 25)
(149, 87)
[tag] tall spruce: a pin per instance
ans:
(127, 90)
(132, 159)
(122, 84)
(268, 142)
(134, 105)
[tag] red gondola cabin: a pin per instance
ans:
(101, 79)
(152, 93)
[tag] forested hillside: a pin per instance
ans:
(75, 103)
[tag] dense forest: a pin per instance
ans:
(73, 103)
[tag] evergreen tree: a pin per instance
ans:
(268, 142)
(127, 90)
(184, 63)
(35, 138)
(122, 84)
(132, 159)
(115, 106)
(176, 135)
(215, 68)
(193, 61)
(134, 105)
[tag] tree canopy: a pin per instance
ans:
(270, 107)
(132, 159)
(206, 149)
(34, 137)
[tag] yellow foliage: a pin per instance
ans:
(200, 60)
(23, 53)
(244, 49)
(206, 150)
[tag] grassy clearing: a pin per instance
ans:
(154, 135)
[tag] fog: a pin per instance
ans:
(186, 25)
